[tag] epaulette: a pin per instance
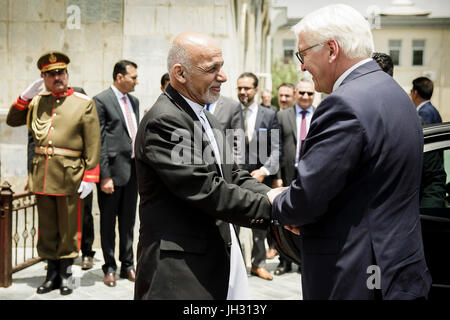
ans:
(81, 96)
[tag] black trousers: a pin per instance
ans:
(87, 235)
(259, 248)
(121, 204)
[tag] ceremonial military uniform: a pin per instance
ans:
(67, 142)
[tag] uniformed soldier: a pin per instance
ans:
(65, 167)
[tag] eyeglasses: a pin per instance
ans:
(299, 54)
(55, 72)
(303, 92)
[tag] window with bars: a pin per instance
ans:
(288, 50)
(395, 49)
(418, 49)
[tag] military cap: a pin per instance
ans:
(52, 61)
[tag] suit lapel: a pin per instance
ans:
(259, 118)
(135, 108)
(179, 101)
(293, 121)
(220, 143)
(117, 107)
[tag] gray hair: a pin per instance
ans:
(178, 54)
(341, 23)
(307, 80)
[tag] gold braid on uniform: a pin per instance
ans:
(41, 128)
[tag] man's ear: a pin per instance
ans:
(179, 73)
(334, 50)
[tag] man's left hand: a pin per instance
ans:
(273, 193)
(85, 188)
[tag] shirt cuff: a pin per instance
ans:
(265, 170)
(21, 104)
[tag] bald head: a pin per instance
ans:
(195, 67)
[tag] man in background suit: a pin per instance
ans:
(118, 112)
(266, 99)
(357, 190)
(190, 195)
(261, 156)
(421, 93)
(286, 97)
(294, 122)
(227, 111)
(165, 80)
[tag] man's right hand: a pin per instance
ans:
(32, 90)
(107, 185)
(273, 193)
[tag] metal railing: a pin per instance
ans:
(18, 232)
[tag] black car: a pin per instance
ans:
(434, 215)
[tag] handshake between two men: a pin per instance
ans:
(272, 194)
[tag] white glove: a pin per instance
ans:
(32, 90)
(85, 188)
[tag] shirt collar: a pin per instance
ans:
(118, 94)
(66, 93)
(421, 105)
(197, 108)
(348, 71)
(253, 107)
(298, 110)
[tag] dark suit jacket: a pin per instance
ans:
(429, 114)
(115, 156)
(184, 244)
(288, 133)
(271, 107)
(266, 138)
(356, 198)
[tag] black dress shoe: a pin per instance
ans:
(282, 269)
(65, 272)
(52, 280)
(65, 289)
(49, 285)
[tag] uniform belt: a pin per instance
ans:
(51, 151)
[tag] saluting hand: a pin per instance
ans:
(32, 90)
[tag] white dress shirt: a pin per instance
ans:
(120, 96)
(252, 112)
(238, 281)
(251, 118)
